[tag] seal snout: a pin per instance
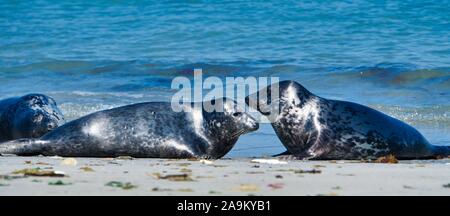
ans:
(252, 100)
(251, 123)
(254, 126)
(247, 100)
(255, 102)
(51, 126)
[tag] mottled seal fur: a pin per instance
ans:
(148, 130)
(311, 127)
(30, 116)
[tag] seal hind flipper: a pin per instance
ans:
(443, 151)
(22, 147)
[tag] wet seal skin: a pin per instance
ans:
(311, 127)
(146, 130)
(30, 116)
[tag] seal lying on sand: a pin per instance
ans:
(311, 127)
(150, 130)
(30, 116)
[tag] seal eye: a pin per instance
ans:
(237, 114)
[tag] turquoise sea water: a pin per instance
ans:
(93, 55)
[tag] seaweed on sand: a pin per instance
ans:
(40, 173)
(117, 184)
(174, 177)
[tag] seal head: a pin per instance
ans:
(34, 115)
(273, 99)
(224, 126)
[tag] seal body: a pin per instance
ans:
(150, 130)
(311, 127)
(30, 116)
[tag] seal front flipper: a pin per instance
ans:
(287, 155)
(23, 147)
(282, 154)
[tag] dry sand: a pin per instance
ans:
(100, 176)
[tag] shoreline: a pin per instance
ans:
(236, 176)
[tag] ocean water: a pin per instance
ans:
(94, 55)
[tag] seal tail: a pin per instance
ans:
(22, 147)
(443, 151)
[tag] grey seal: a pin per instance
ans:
(311, 127)
(145, 130)
(29, 116)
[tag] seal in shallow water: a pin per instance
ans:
(311, 127)
(151, 130)
(30, 116)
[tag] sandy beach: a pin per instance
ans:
(245, 176)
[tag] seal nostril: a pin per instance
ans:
(51, 126)
(254, 126)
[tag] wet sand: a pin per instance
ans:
(128, 176)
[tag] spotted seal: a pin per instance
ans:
(311, 127)
(146, 130)
(29, 116)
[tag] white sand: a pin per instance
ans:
(228, 177)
